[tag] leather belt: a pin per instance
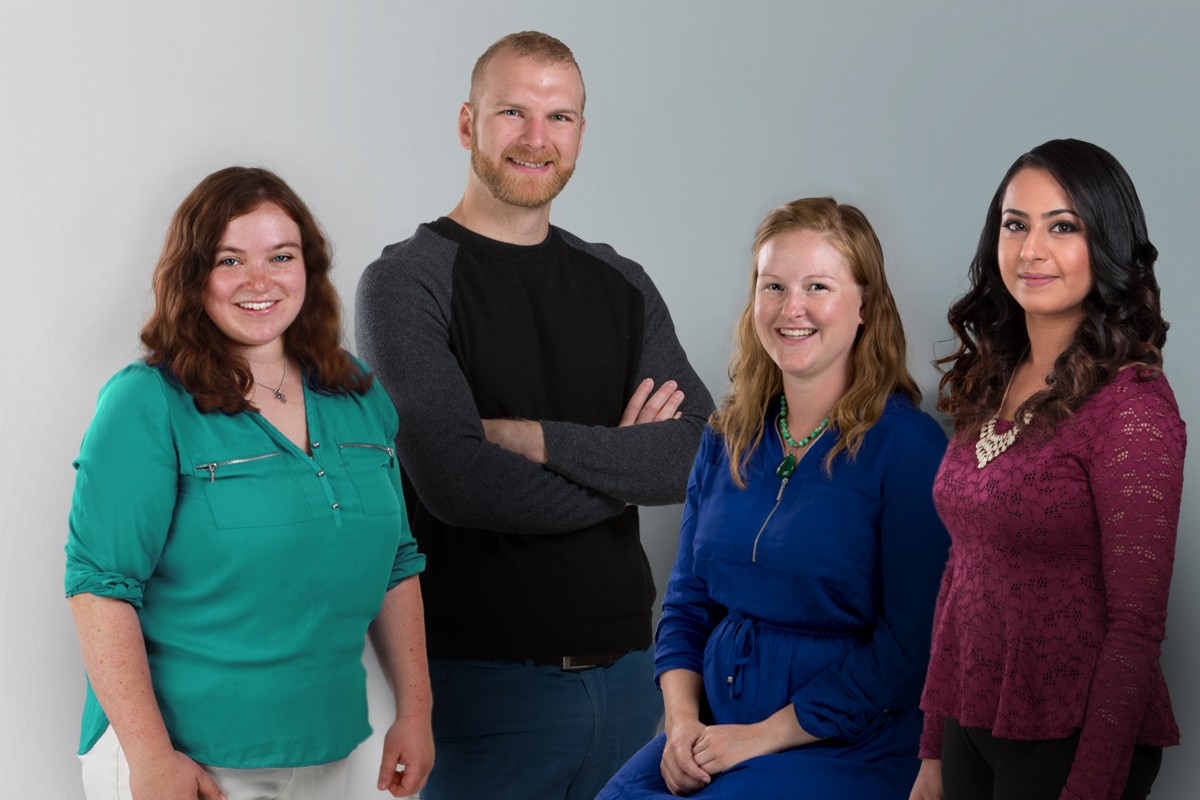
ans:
(574, 663)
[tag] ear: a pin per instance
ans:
(465, 118)
(582, 128)
(862, 304)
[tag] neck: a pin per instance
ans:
(482, 213)
(265, 357)
(809, 403)
(1047, 341)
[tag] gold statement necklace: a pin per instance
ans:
(992, 444)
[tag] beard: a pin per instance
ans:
(509, 186)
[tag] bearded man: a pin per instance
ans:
(542, 396)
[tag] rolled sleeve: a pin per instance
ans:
(126, 482)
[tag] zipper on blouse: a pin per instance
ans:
(390, 452)
(774, 508)
(212, 466)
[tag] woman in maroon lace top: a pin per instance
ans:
(1061, 492)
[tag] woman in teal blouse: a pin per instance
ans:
(238, 524)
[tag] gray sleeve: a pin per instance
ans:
(645, 464)
(402, 327)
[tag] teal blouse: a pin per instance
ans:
(255, 567)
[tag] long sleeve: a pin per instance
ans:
(844, 701)
(931, 734)
(689, 613)
(1136, 478)
(639, 464)
(402, 325)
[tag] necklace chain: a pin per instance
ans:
(278, 390)
(788, 465)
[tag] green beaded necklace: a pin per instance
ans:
(788, 465)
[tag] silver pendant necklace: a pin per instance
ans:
(277, 391)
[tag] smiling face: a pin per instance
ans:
(1043, 250)
(524, 129)
(807, 307)
(256, 287)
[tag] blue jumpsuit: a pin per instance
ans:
(817, 593)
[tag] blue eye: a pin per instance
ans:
(282, 258)
(227, 262)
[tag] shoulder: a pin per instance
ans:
(424, 251)
(1131, 404)
(627, 267)
(138, 399)
(373, 403)
(908, 425)
(138, 384)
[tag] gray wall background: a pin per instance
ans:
(701, 118)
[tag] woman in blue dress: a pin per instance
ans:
(795, 627)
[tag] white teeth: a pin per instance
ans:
(798, 333)
(530, 164)
(256, 306)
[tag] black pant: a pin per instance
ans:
(979, 766)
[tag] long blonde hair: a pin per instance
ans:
(879, 366)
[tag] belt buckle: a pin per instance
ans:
(569, 664)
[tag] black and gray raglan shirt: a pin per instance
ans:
(526, 561)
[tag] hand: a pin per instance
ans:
(175, 777)
(678, 766)
(724, 746)
(928, 785)
(409, 741)
(660, 406)
(521, 436)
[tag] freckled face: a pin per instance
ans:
(807, 307)
(256, 287)
(525, 129)
(1043, 250)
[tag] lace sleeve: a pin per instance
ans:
(1136, 479)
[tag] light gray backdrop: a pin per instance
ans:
(701, 117)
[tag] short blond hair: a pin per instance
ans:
(528, 44)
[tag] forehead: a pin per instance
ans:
(803, 252)
(1034, 187)
(508, 74)
(265, 219)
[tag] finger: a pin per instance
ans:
(636, 401)
(670, 409)
(655, 403)
(388, 768)
(207, 787)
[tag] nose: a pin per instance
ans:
(534, 135)
(1034, 246)
(793, 304)
(258, 276)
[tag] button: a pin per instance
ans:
(335, 506)
(321, 474)
(316, 445)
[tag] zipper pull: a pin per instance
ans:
(782, 486)
(391, 457)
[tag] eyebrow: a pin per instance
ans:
(1017, 212)
(281, 246)
(523, 107)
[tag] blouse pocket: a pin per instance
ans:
(369, 466)
(250, 489)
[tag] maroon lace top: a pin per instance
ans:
(1053, 606)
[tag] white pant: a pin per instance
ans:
(106, 777)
